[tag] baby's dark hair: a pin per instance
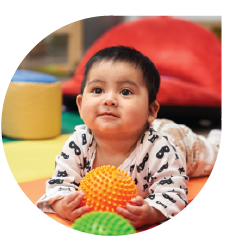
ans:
(129, 55)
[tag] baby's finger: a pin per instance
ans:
(76, 202)
(125, 213)
(136, 210)
(79, 211)
(138, 200)
(71, 197)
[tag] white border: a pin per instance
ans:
(208, 221)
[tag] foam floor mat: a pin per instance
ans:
(30, 160)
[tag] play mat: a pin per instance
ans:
(32, 163)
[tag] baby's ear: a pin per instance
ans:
(153, 110)
(78, 102)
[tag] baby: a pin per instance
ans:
(118, 106)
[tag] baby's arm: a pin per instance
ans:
(164, 177)
(168, 187)
(68, 207)
(62, 187)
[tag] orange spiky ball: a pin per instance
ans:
(107, 188)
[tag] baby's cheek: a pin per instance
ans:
(138, 114)
(87, 112)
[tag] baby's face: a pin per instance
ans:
(115, 99)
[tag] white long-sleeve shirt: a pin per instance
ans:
(157, 166)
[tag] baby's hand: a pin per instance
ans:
(70, 206)
(140, 215)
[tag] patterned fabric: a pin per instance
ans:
(158, 165)
(200, 152)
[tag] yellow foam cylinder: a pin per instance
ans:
(32, 110)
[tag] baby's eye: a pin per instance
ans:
(126, 92)
(97, 91)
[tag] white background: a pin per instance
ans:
(212, 218)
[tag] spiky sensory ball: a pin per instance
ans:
(106, 188)
(103, 223)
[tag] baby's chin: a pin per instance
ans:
(107, 129)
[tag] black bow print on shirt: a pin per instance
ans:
(73, 145)
(161, 152)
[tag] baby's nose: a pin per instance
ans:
(110, 101)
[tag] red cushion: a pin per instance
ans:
(188, 54)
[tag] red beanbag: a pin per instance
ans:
(187, 56)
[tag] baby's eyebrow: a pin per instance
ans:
(119, 82)
(95, 81)
(129, 82)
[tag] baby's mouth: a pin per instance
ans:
(108, 114)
